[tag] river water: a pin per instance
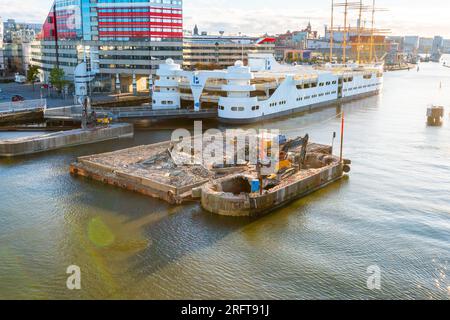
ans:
(393, 212)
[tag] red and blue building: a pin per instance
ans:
(123, 38)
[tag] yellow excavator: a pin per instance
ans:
(285, 165)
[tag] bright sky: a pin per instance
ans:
(406, 17)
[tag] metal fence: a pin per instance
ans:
(27, 105)
(69, 112)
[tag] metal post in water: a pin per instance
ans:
(342, 135)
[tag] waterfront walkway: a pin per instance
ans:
(74, 113)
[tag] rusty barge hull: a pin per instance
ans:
(125, 169)
(257, 205)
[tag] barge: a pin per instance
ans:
(235, 195)
(156, 171)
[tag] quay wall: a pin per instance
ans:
(21, 117)
(35, 144)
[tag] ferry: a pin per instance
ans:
(264, 89)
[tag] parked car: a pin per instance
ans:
(17, 98)
(20, 79)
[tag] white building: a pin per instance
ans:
(411, 44)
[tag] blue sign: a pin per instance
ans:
(195, 80)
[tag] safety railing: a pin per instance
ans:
(26, 105)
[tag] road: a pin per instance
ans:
(7, 90)
(26, 91)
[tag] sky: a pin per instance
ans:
(256, 17)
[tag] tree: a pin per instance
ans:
(32, 74)
(57, 79)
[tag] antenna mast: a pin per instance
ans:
(331, 31)
(372, 42)
(344, 55)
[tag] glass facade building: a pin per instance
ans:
(115, 20)
(124, 37)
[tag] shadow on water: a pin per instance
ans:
(192, 230)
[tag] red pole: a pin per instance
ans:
(342, 134)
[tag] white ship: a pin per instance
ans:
(264, 89)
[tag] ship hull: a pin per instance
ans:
(298, 110)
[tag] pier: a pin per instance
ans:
(57, 140)
(73, 113)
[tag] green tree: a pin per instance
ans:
(57, 79)
(32, 74)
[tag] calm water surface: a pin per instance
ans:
(393, 211)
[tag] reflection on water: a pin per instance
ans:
(392, 212)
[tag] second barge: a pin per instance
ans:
(233, 196)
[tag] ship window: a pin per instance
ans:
(328, 83)
(334, 82)
(314, 96)
(307, 97)
(314, 84)
(321, 84)
(307, 85)
(321, 95)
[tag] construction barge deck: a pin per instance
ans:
(152, 170)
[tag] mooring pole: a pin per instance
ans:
(342, 135)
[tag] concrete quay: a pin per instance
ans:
(21, 117)
(63, 139)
